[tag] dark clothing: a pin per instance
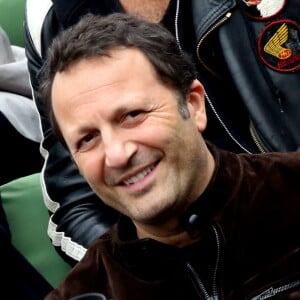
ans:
(250, 106)
(19, 279)
(248, 225)
(20, 157)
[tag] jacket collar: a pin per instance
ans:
(149, 259)
(207, 13)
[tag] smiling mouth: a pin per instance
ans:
(139, 176)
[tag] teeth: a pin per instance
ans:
(139, 176)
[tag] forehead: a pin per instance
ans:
(89, 79)
(104, 70)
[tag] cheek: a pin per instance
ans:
(90, 166)
(156, 134)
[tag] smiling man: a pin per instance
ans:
(126, 103)
(122, 132)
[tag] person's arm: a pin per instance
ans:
(77, 215)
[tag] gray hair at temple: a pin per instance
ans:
(96, 36)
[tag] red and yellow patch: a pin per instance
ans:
(279, 45)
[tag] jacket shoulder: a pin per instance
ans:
(35, 14)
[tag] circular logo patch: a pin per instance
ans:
(263, 9)
(279, 45)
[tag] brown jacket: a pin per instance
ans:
(249, 223)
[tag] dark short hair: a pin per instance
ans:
(96, 36)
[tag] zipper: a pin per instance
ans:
(257, 141)
(176, 25)
(208, 32)
(196, 280)
(224, 125)
(216, 25)
(262, 147)
(273, 292)
(214, 285)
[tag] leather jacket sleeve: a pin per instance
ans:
(77, 215)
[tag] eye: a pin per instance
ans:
(88, 141)
(135, 113)
(134, 118)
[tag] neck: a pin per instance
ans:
(150, 10)
(170, 233)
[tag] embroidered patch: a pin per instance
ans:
(263, 9)
(279, 45)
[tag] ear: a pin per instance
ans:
(196, 105)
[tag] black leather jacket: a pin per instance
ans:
(252, 96)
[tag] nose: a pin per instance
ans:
(118, 151)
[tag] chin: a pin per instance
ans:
(156, 217)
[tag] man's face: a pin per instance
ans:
(127, 137)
